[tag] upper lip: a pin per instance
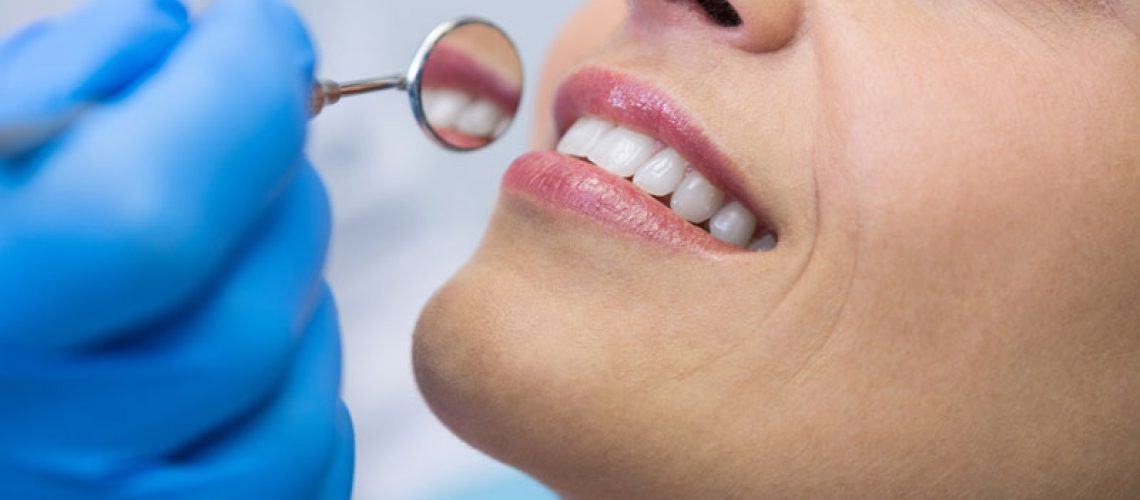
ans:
(630, 103)
(449, 67)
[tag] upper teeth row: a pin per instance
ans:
(661, 171)
(446, 108)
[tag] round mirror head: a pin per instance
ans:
(466, 84)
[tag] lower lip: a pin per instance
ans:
(461, 140)
(581, 187)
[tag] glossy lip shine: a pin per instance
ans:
(612, 200)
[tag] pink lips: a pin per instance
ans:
(616, 202)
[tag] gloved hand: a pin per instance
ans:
(165, 331)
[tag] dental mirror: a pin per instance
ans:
(464, 84)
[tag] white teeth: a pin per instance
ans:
(733, 224)
(662, 174)
(445, 108)
(696, 199)
(479, 119)
(622, 151)
(442, 107)
(763, 244)
(583, 136)
(627, 153)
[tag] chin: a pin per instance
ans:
(505, 359)
(528, 355)
(592, 358)
(501, 361)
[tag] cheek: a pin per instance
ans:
(583, 35)
(981, 164)
(961, 130)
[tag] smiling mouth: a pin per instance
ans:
(661, 172)
(630, 158)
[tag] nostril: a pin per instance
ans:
(721, 12)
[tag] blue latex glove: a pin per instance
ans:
(165, 331)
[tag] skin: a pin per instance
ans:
(951, 310)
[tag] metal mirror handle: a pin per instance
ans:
(327, 92)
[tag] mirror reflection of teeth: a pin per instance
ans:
(663, 173)
(454, 109)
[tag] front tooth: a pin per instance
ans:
(442, 107)
(764, 243)
(583, 136)
(662, 174)
(733, 224)
(696, 199)
(622, 151)
(479, 119)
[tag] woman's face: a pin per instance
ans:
(951, 307)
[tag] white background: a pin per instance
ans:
(407, 215)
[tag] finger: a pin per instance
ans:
(337, 482)
(292, 440)
(52, 69)
(167, 388)
(169, 180)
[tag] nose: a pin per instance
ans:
(750, 25)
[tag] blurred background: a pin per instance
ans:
(407, 216)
